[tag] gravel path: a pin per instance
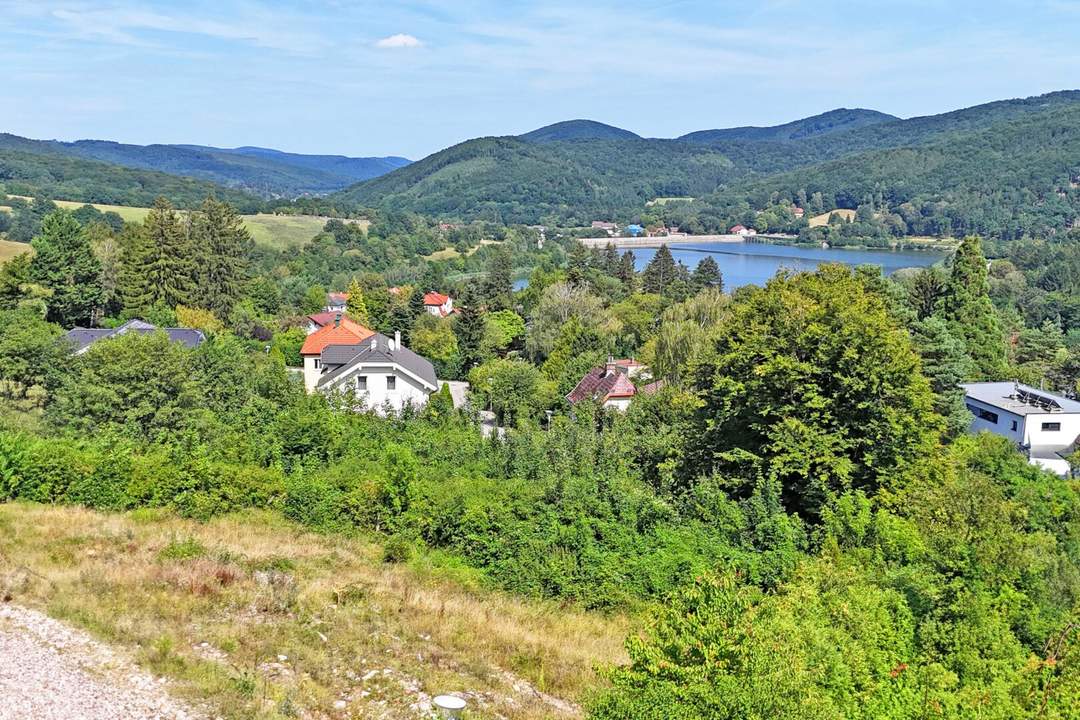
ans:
(49, 671)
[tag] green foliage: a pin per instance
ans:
(31, 354)
(159, 262)
(64, 263)
(222, 244)
(814, 384)
(969, 312)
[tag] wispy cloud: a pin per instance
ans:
(400, 40)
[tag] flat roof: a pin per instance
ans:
(1019, 399)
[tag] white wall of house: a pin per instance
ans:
(312, 372)
(1008, 424)
(1041, 430)
(376, 391)
(618, 403)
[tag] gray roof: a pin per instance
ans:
(1019, 399)
(375, 350)
(82, 338)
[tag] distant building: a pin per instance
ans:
(743, 231)
(611, 385)
(321, 320)
(635, 230)
(609, 227)
(82, 338)
(798, 212)
(1045, 426)
(438, 304)
(336, 302)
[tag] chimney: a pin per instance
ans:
(337, 320)
(374, 342)
(397, 339)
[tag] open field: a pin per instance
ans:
(257, 618)
(9, 249)
(823, 219)
(666, 200)
(449, 253)
(277, 231)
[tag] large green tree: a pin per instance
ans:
(967, 308)
(221, 243)
(159, 263)
(812, 382)
(64, 262)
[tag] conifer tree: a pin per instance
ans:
(159, 267)
(355, 306)
(969, 312)
(469, 329)
(221, 243)
(706, 274)
(64, 263)
(660, 273)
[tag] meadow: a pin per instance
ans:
(9, 249)
(257, 617)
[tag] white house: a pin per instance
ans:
(381, 371)
(743, 231)
(336, 302)
(438, 304)
(1044, 425)
(82, 338)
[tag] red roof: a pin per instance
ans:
(434, 298)
(346, 333)
(738, 228)
(600, 384)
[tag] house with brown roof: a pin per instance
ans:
(611, 385)
(336, 302)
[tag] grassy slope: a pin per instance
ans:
(9, 249)
(349, 625)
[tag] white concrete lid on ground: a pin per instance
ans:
(450, 706)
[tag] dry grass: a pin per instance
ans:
(216, 606)
(823, 219)
(9, 249)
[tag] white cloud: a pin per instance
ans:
(400, 40)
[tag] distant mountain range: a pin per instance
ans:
(258, 171)
(579, 170)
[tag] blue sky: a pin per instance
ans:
(409, 78)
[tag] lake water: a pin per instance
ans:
(753, 263)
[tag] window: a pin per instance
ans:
(391, 382)
(983, 414)
(1014, 426)
(361, 383)
(1051, 427)
(318, 363)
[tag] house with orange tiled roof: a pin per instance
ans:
(340, 331)
(438, 304)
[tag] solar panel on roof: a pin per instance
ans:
(1040, 401)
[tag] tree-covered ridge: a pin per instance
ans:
(567, 181)
(832, 121)
(510, 180)
(69, 178)
(578, 130)
(263, 172)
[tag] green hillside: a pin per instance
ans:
(568, 176)
(68, 178)
(578, 130)
(264, 172)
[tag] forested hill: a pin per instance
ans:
(577, 171)
(823, 124)
(70, 178)
(260, 171)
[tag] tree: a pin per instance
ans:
(159, 266)
(812, 382)
(926, 291)
(469, 327)
(222, 244)
(706, 274)
(501, 329)
(355, 305)
(64, 263)
(625, 271)
(510, 388)
(500, 277)
(433, 337)
(946, 364)
(969, 312)
(663, 276)
(30, 352)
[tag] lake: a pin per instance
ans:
(753, 263)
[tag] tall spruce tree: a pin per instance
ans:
(64, 263)
(970, 314)
(626, 272)
(660, 273)
(469, 329)
(221, 243)
(706, 274)
(159, 268)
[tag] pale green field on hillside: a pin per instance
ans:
(276, 231)
(9, 249)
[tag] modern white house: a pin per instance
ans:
(382, 372)
(1043, 425)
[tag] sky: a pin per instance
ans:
(409, 78)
